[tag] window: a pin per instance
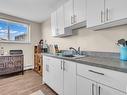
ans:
(14, 31)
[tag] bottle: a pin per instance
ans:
(56, 49)
(41, 45)
(45, 47)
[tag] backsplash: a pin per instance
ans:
(102, 40)
(102, 54)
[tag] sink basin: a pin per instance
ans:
(79, 56)
(74, 56)
(68, 55)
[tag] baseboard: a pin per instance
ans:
(27, 67)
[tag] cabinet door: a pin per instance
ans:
(79, 10)
(60, 20)
(85, 86)
(104, 90)
(68, 10)
(46, 70)
(95, 12)
(116, 9)
(57, 76)
(69, 78)
(54, 23)
(53, 74)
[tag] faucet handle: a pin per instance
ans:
(78, 48)
(79, 52)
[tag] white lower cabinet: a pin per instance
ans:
(85, 86)
(99, 81)
(53, 73)
(69, 78)
(88, 87)
(105, 90)
(57, 76)
(60, 75)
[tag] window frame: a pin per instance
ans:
(28, 41)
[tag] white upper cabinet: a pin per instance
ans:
(68, 11)
(57, 23)
(115, 9)
(106, 13)
(54, 23)
(60, 20)
(79, 11)
(95, 12)
(75, 12)
(71, 13)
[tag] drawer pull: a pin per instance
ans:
(96, 72)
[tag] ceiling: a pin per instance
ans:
(34, 10)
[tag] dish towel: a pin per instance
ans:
(39, 92)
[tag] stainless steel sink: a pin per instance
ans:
(75, 56)
(70, 56)
(79, 56)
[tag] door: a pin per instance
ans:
(104, 90)
(79, 10)
(116, 9)
(95, 12)
(85, 86)
(69, 78)
(54, 23)
(68, 11)
(60, 20)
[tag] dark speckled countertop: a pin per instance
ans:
(103, 62)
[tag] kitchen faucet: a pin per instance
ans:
(76, 51)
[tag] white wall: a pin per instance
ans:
(28, 49)
(103, 40)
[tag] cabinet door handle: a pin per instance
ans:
(61, 65)
(107, 14)
(99, 90)
(102, 17)
(71, 20)
(95, 72)
(75, 18)
(92, 89)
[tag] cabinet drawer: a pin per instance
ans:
(114, 79)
